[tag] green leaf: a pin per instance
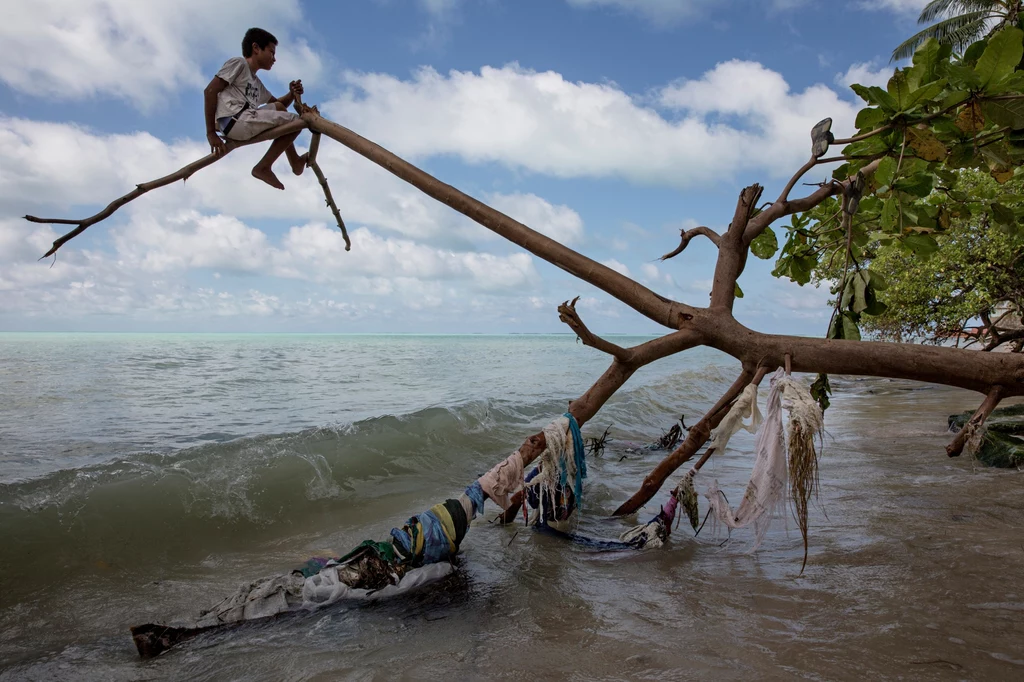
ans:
(765, 244)
(800, 270)
(996, 157)
(877, 96)
(738, 292)
(921, 244)
(1005, 112)
(961, 156)
(924, 94)
(874, 307)
(1003, 214)
(1012, 83)
(820, 391)
(974, 52)
(926, 58)
(890, 215)
(878, 282)
(962, 77)
(860, 285)
(1001, 56)
(899, 90)
(918, 184)
(850, 329)
(870, 118)
(886, 171)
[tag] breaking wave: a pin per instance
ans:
(151, 507)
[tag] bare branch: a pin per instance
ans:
(811, 163)
(783, 208)
(687, 235)
(671, 314)
(934, 364)
(182, 174)
(567, 313)
(587, 405)
(732, 251)
(975, 422)
(314, 147)
(695, 438)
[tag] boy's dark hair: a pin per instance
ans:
(260, 37)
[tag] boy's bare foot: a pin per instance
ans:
(299, 164)
(267, 176)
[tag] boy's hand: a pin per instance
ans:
(295, 87)
(217, 145)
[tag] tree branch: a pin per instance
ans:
(695, 438)
(687, 235)
(314, 147)
(975, 422)
(732, 251)
(567, 313)
(796, 177)
(786, 207)
(587, 405)
(182, 174)
(671, 314)
(933, 364)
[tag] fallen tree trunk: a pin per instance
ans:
(997, 376)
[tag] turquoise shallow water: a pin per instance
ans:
(143, 477)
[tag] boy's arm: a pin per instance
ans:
(217, 84)
(294, 88)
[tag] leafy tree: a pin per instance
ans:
(970, 291)
(965, 21)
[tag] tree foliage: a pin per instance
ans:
(970, 290)
(915, 196)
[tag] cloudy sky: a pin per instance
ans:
(606, 124)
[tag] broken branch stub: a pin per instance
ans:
(567, 314)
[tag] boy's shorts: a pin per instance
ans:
(252, 122)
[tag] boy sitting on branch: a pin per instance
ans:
(239, 107)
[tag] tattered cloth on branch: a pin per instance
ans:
(772, 468)
(745, 407)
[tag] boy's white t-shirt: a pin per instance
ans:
(243, 86)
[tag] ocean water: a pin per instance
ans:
(144, 477)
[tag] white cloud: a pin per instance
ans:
(776, 126)
(739, 116)
(148, 270)
(650, 271)
(137, 51)
(561, 223)
(616, 266)
(867, 73)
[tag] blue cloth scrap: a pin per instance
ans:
(476, 494)
(436, 546)
(403, 542)
(580, 456)
(584, 541)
